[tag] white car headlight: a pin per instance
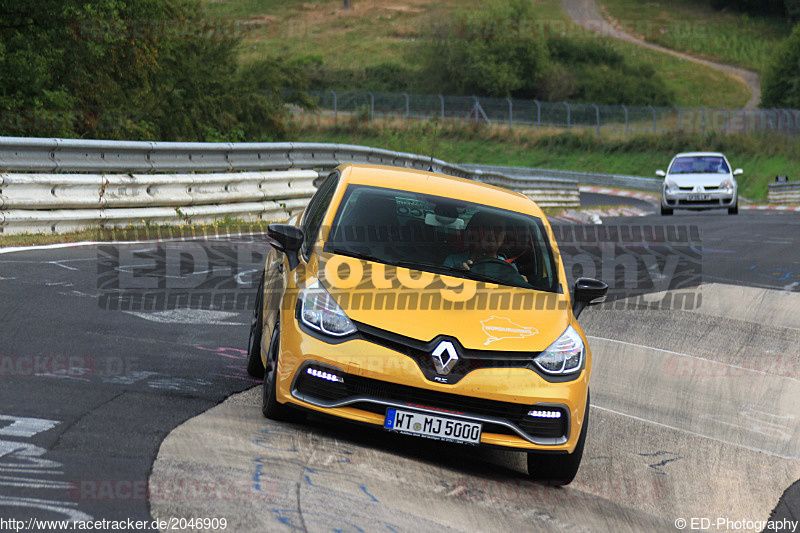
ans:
(564, 356)
(671, 186)
(727, 185)
(319, 311)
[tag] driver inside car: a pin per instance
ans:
(483, 237)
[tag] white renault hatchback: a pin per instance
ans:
(699, 180)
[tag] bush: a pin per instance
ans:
(781, 84)
(111, 66)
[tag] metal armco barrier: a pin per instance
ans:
(117, 183)
(584, 178)
(784, 192)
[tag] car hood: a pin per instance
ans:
(481, 316)
(703, 180)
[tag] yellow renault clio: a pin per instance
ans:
(430, 306)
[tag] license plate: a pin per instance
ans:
(699, 197)
(432, 426)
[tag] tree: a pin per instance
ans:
(781, 83)
(134, 69)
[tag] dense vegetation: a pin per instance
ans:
(781, 85)
(149, 69)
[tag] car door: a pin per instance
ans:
(277, 267)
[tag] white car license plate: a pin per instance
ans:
(432, 426)
(699, 197)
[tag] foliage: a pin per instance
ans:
(144, 69)
(481, 56)
(781, 85)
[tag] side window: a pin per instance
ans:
(312, 219)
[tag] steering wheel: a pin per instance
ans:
(481, 266)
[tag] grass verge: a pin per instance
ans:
(761, 157)
(698, 29)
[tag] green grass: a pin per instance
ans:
(762, 158)
(376, 32)
(698, 29)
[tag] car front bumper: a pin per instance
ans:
(694, 200)
(376, 378)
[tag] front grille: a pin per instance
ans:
(360, 387)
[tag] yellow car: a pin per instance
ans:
(430, 306)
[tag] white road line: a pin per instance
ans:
(738, 445)
(12, 249)
(694, 357)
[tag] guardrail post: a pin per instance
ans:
(371, 105)
(407, 110)
(538, 113)
(569, 121)
(597, 113)
(441, 98)
(625, 108)
(335, 108)
(510, 113)
(653, 109)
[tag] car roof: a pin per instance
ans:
(436, 184)
(683, 154)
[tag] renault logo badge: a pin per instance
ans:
(445, 357)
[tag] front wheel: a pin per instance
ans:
(255, 367)
(270, 406)
(558, 470)
(665, 211)
(733, 210)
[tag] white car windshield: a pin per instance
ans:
(706, 164)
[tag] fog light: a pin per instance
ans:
(324, 375)
(538, 413)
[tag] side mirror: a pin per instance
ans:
(287, 239)
(587, 291)
(738, 171)
(661, 174)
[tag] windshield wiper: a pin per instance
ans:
(438, 268)
(357, 255)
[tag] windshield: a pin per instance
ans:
(707, 164)
(444, 236)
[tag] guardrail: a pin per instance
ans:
(128, 184)
(584, 178)
(784, 192)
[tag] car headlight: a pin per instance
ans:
(564, 356)
(319, 311)
(671, 186)
(727, 185)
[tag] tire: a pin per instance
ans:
(733, 210)
(558, 470)
(665, 211)
(270, 406)
(255, 367)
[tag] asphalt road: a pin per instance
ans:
(88, 393)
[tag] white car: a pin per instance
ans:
(699, 180)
